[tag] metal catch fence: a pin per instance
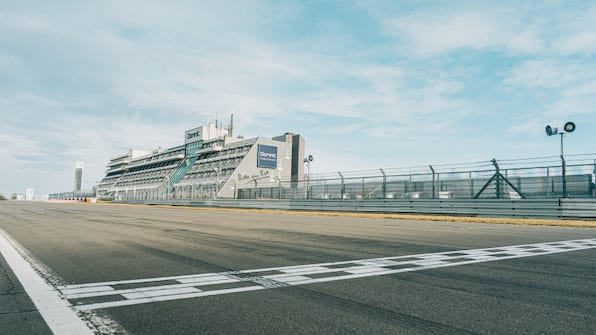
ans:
(571, 176)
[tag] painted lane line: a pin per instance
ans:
(360, 269)
(430, 262)
(94, 289)
(304, 269)
(167, 298)
(159, 293)
(288, 279)
(198, 281)
(56, 312)
(125, 291)
(137, 281)
(325, 272)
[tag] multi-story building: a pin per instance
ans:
(211, 163)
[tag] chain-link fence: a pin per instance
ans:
(571, 176)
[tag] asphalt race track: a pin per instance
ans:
(153, 270)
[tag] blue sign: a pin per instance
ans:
(267, 156)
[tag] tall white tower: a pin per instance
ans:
(78, 176)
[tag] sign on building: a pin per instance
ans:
(193, 135)
(267, 156)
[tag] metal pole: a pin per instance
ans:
(384, 184)
(594, 181)
(342, 189)
(564, 177)
(363, 188)
(306, 192)
(433, 171)
(563, 172)
(561, 143)
(498, 178)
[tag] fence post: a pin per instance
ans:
(594, 181)
(342, 188)
(384, 185)
(471, 185)
(433, 171)
(498, 179)
(548, 182)
(362, 194)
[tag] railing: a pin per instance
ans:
(532, 178)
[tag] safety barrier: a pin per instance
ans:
(523, 208)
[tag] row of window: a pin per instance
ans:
(226, 161)
(224, 173)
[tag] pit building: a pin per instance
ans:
(211, 163)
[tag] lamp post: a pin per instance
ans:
(307, 160)
(568, 128)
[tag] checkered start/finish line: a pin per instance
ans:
(141, 291)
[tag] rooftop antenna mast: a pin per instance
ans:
(231, 126)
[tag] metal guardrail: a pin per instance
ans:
(524, 208)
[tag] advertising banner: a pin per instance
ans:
(267, 156)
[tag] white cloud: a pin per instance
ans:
(564, 88)
(448, 29)
(548, 74)
(576, 33)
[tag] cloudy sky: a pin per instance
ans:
(368, 83)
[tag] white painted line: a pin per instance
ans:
(434, 256)
(56, 312)
(304, 269)
(363, 269)
(73, 296)
(430, 262)
(166, 298)
(94, 289)
(288, 279)
(154, 293)
(136, 281)
(311, 273)
(382, 262)
(217, 279)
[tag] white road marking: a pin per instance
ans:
(204, 280)
(100, 289)
(56, 311)
(168, 297)
(159, 293)
(199, 285)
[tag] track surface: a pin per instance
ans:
(541, 294)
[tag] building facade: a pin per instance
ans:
(211, 163)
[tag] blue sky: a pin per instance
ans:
(368, 83)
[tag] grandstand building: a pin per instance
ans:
(211, 163)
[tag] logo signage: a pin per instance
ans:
(193, 135)
(267, 156)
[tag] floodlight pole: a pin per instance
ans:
(307, 160)
(568, 128)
